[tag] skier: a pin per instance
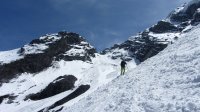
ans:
(123, 65)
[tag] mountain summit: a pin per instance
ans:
(40, 53)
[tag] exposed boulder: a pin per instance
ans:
(61, 84)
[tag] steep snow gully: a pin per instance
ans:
(168, 82)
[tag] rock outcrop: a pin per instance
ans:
(61, 84)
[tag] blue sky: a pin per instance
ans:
(101, 22)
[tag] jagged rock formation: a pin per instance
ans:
(186, 13)
(140, 48)
(156, 38)
(54, 55)
(40, 54)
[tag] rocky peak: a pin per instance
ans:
(40, 53)
(139, 48)
(186, 13)
(156, 38)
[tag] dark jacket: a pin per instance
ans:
(123, 64)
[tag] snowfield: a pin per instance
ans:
(168, 82)
(101, 71)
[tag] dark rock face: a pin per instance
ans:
(180, 17)
(21, 51)
(192, 9)
(9, 97)
(186, 15)
(2, 98)
(37, 41)
(81, 89)
(149, 47)
(71, 58)
(33, 63)
(196, 18)
(61, 84)
(142, 47)
(163, 27)
(148, 51)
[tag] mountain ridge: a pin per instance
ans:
(67, 58)
(168, 82)
(40, 53)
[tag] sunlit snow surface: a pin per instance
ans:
(168, 82)
(9, 56)
(96, 73)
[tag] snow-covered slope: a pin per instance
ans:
(168, 82)
(63, 72)
(96, 74)
(70, 58)
(9, 56)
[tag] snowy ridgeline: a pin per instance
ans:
(38, 46)
(168, 82)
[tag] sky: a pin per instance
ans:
(102, 22)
